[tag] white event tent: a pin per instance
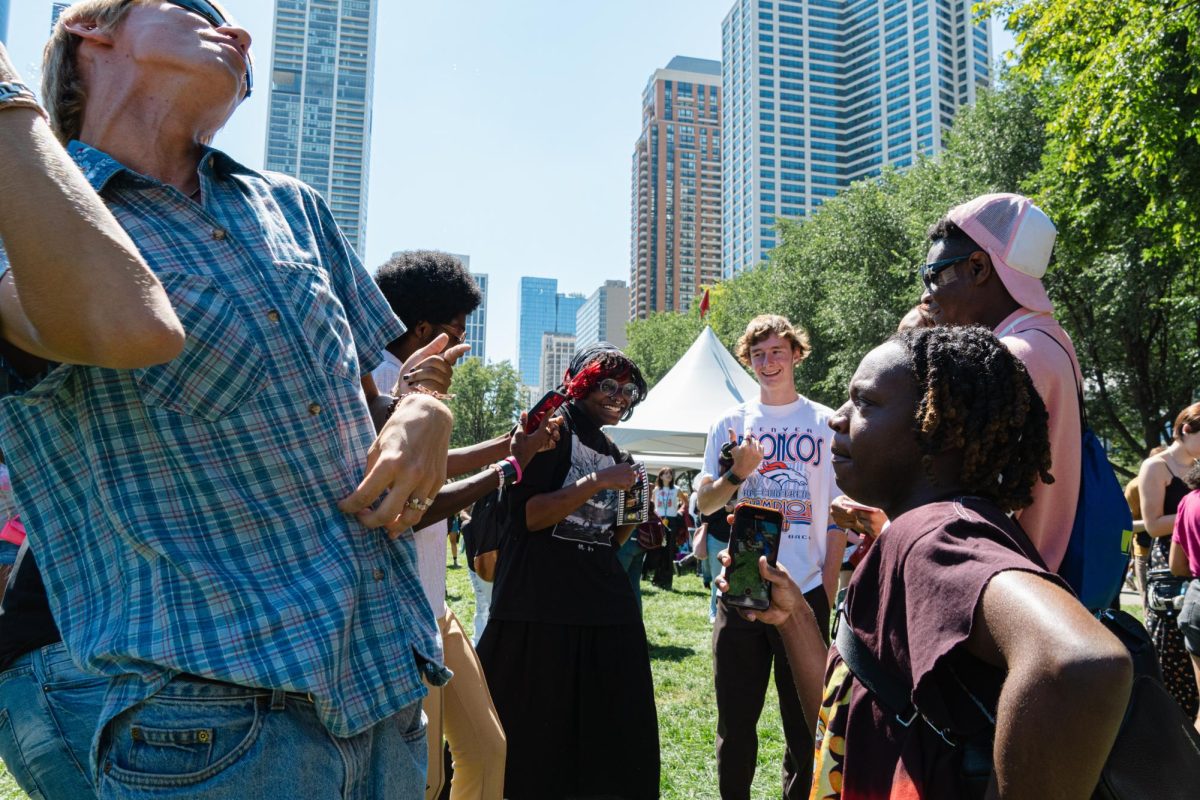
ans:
(670, 426)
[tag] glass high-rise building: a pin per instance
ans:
(820, 93)
(675, 240)
(319, 117)
(557, 351)
(543, 310)
(603, 316)
(56, 10)
(3, 21)
(477, 319)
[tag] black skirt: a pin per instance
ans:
(577, 705)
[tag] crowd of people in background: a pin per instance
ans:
(232, 488)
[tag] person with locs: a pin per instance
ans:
(565, 651)
(945, 432)
(234, 561)
(984, 267)
(780, 459)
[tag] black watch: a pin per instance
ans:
(732, 477)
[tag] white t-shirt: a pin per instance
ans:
(431, 565)
(795, 476)
(387, 373)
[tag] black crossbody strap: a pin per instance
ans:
(889, 690)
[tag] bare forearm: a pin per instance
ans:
(806, 655)
(79, 291)
(456, 496)
(548, 509)
(476, 456)
(712, 497)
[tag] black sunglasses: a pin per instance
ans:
(215, 18)
(929, 272)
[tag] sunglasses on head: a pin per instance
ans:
(929, 272)
(214, 17)
(610, 387)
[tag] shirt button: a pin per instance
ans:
(219, 234)
(314, 408)
(377, 574)
(273, 315)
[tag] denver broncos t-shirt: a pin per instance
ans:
(912, 602)
(795, 476)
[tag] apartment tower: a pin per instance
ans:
(675, 239)
(319, 114)
(821, 93)
(603, 316)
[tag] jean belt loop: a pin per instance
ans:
(278, 699)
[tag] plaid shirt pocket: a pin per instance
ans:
(220, 367)
(321, 317)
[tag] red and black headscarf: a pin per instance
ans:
(596, 362)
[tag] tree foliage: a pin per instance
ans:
(1119, 87)
(487, 400)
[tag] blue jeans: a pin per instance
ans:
(49, 709)
(196, 738)
(714, 546)
(631, 555)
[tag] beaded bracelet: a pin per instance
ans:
(417, 390)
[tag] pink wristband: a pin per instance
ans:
(517, 467)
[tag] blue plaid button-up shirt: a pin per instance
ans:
(185, 515)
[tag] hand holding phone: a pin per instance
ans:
(549, 403)
(755, 532)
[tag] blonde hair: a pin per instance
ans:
(63, 91)
(762, 326)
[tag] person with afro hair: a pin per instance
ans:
(946, 433)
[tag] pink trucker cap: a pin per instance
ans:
(1018, 236)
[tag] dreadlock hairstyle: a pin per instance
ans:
(977, 397)
(596, 362)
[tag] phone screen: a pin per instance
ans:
(755, 533)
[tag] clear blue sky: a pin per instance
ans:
(501, 130)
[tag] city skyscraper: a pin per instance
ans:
(56, 11)
(477, 320)
(543, 310)
(603, 315)
(820, 93)
(319, 114)
(3, 21)
(557, 350)
(675, 241)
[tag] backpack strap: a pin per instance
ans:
(887, 688)
(891, 692)
(1083, 423)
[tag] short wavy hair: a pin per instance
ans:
(63, 92)
(762, 326)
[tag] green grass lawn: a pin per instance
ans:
(681, 659)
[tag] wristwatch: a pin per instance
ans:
(732, 477)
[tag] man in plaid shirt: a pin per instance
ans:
(221, 534)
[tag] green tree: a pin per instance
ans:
(1120, 174)
(487, 400)
(658, 342)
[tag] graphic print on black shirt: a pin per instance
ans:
(592, 523)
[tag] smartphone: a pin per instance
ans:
(547, 405)
(755, 532)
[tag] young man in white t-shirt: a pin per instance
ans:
(781, 460)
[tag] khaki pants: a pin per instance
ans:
(463, 710)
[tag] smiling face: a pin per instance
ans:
(875, 452)
(774, 363)
(604, 409)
